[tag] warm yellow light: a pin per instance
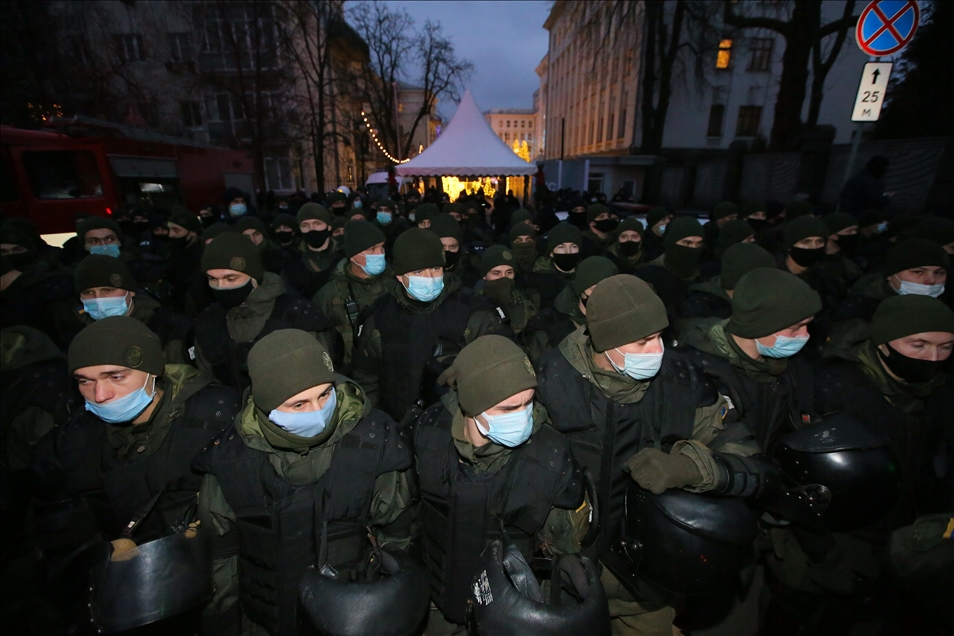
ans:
(725, 54)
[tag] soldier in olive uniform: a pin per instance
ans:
(307, 470)
(357, 281)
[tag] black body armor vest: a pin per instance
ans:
(280, 524)
(769, 409)
(604, 433)
(117, 489)
(229, 359)
(409, 340)
(463, 510)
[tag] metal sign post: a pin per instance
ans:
(884, 28)
(871, 89)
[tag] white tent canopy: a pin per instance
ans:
(467, 147)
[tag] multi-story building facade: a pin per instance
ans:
(724, 90)
(246, 75)
(516, 125)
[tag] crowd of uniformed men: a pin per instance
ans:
(397, 417)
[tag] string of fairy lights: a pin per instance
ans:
(374, 137)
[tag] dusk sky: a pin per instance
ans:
(504, 40)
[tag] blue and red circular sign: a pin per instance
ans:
(886, 26)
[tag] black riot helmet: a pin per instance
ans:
(151, 582)
(389, 596)
(683, 542)
(835, 474)
(507, 600)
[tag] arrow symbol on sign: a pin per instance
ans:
(874, 76)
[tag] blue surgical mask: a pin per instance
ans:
(373, 264)
(662, 228)
(238, 209)
(309, 423)
(99, 308)
(784, 347)
(384, 218)
(126, 408)
(639, 366)
(917, 289)
(358, 204)
(881, 227)
(509, 429)
(423, 288)
(110, 249)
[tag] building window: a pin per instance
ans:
(748, 123)
(129, 48)
(592, 128)
(529, 136)
(508, 123)
(191, 114)
(180, 47)
(523, 124)
(500, 124)
(609, 126)
(507, 137)
(716, 115)
(278, 174)
(761, 54)
(725, 54)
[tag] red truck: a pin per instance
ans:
(97, 168)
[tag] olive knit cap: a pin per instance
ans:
(453, 207)
(740, 259)
(623, 309)
(520, 216)
(425, 211)
(734, 231)
(724, 209)
(591, 271)
(901, 316)
(313, 212)
(595, 210)
(335, 197)
(251, 223)
(630, 224)
(359, 236)
(488, 371)
(915, 253)
(417, 249)
(563, 233)
(284, 218)
(385, 203)
(680, 228)
(494, 256)
(219, 227)
(768, 300)
(522, 229)
(285, 363)
(97, 223)
(656, 215)
(838, 221)
(119, 340)
(340, 222)
(231, 250)
(802, 228)
(99, 270)
(183, 218)
(797, 209)
(445, 226)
